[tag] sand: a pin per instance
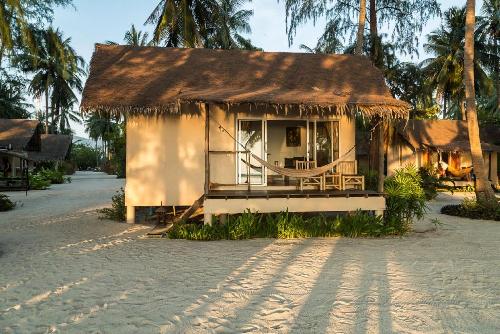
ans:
(64, 271)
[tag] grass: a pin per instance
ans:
(285, 225)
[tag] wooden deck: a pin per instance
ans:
(245, 194)
(237, 201)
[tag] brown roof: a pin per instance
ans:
(443, 135)
(158, 79)
(54, 148)
(17, 132)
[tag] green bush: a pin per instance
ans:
(85, 157)
(470, 208)
(284, 225)
(53, 176)
(431, 183)
(405, 199)
(38, 182)
(118, 210)
(5, 203)
(44, 177)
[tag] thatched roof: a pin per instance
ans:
(441, 135)
(156, 80)
(17, 132)
(54, 148)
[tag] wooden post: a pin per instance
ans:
(207, 148)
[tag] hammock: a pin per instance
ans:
(301, 173)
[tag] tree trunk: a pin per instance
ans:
(484, 192)
(374, 33)
(361, 27)
(463, 113)
(497, 75)
(47, 109)
(381, 157)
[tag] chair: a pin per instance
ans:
(309, 181)
(345, 177)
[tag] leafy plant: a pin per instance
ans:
(470, 208)
(431, 183)
(5, 203)
(38, 182)
(284, 225)
(405, 198)
(118, 210)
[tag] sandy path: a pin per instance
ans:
(79, 275)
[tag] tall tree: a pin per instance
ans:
(182, 22)
(484, 193)
(488, 30)
(134, 37)
(17, 17)
(227, 24)
(56, 69)
(216, 24)
(446, 68)
(361, 27)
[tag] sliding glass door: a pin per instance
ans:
(323, 141)
(251, 136)
(321, 145)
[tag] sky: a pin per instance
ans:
(96, 21)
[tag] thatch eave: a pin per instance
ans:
(368, 110)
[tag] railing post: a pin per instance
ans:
(207, 148)
(248, 170)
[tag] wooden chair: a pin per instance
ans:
(309, 181)
(350, 177)
(345, 176)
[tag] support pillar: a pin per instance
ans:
(207, 218)
(130, 214)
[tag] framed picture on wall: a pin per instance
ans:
(293, 136)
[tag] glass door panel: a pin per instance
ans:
(251, 136)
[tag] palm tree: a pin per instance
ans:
(215, 24)
(134, 37)
(226, 25)
(446, 68)
(488, 29)
(56, 70)
(484, 193)
(182, 22)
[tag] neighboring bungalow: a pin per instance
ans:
(17, 138)
(55, 148)
(22, 146)
(429, 142)
(240, 129)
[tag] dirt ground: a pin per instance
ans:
(63, 270)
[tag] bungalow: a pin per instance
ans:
(17, 138)
(428, 142)
(239, 130)
(22, 146)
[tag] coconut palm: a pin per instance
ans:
(16, 18)
(227, 24)
(182, 22)
(446, 68)
(484, 193)
(134, 37)
(488, 30)
(56, 69)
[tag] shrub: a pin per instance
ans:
(52, 175)
(431, 182)
(5, 203)
(470, 208)
(283, 225)
(37, 182)
(405, 199)
(118, 210)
